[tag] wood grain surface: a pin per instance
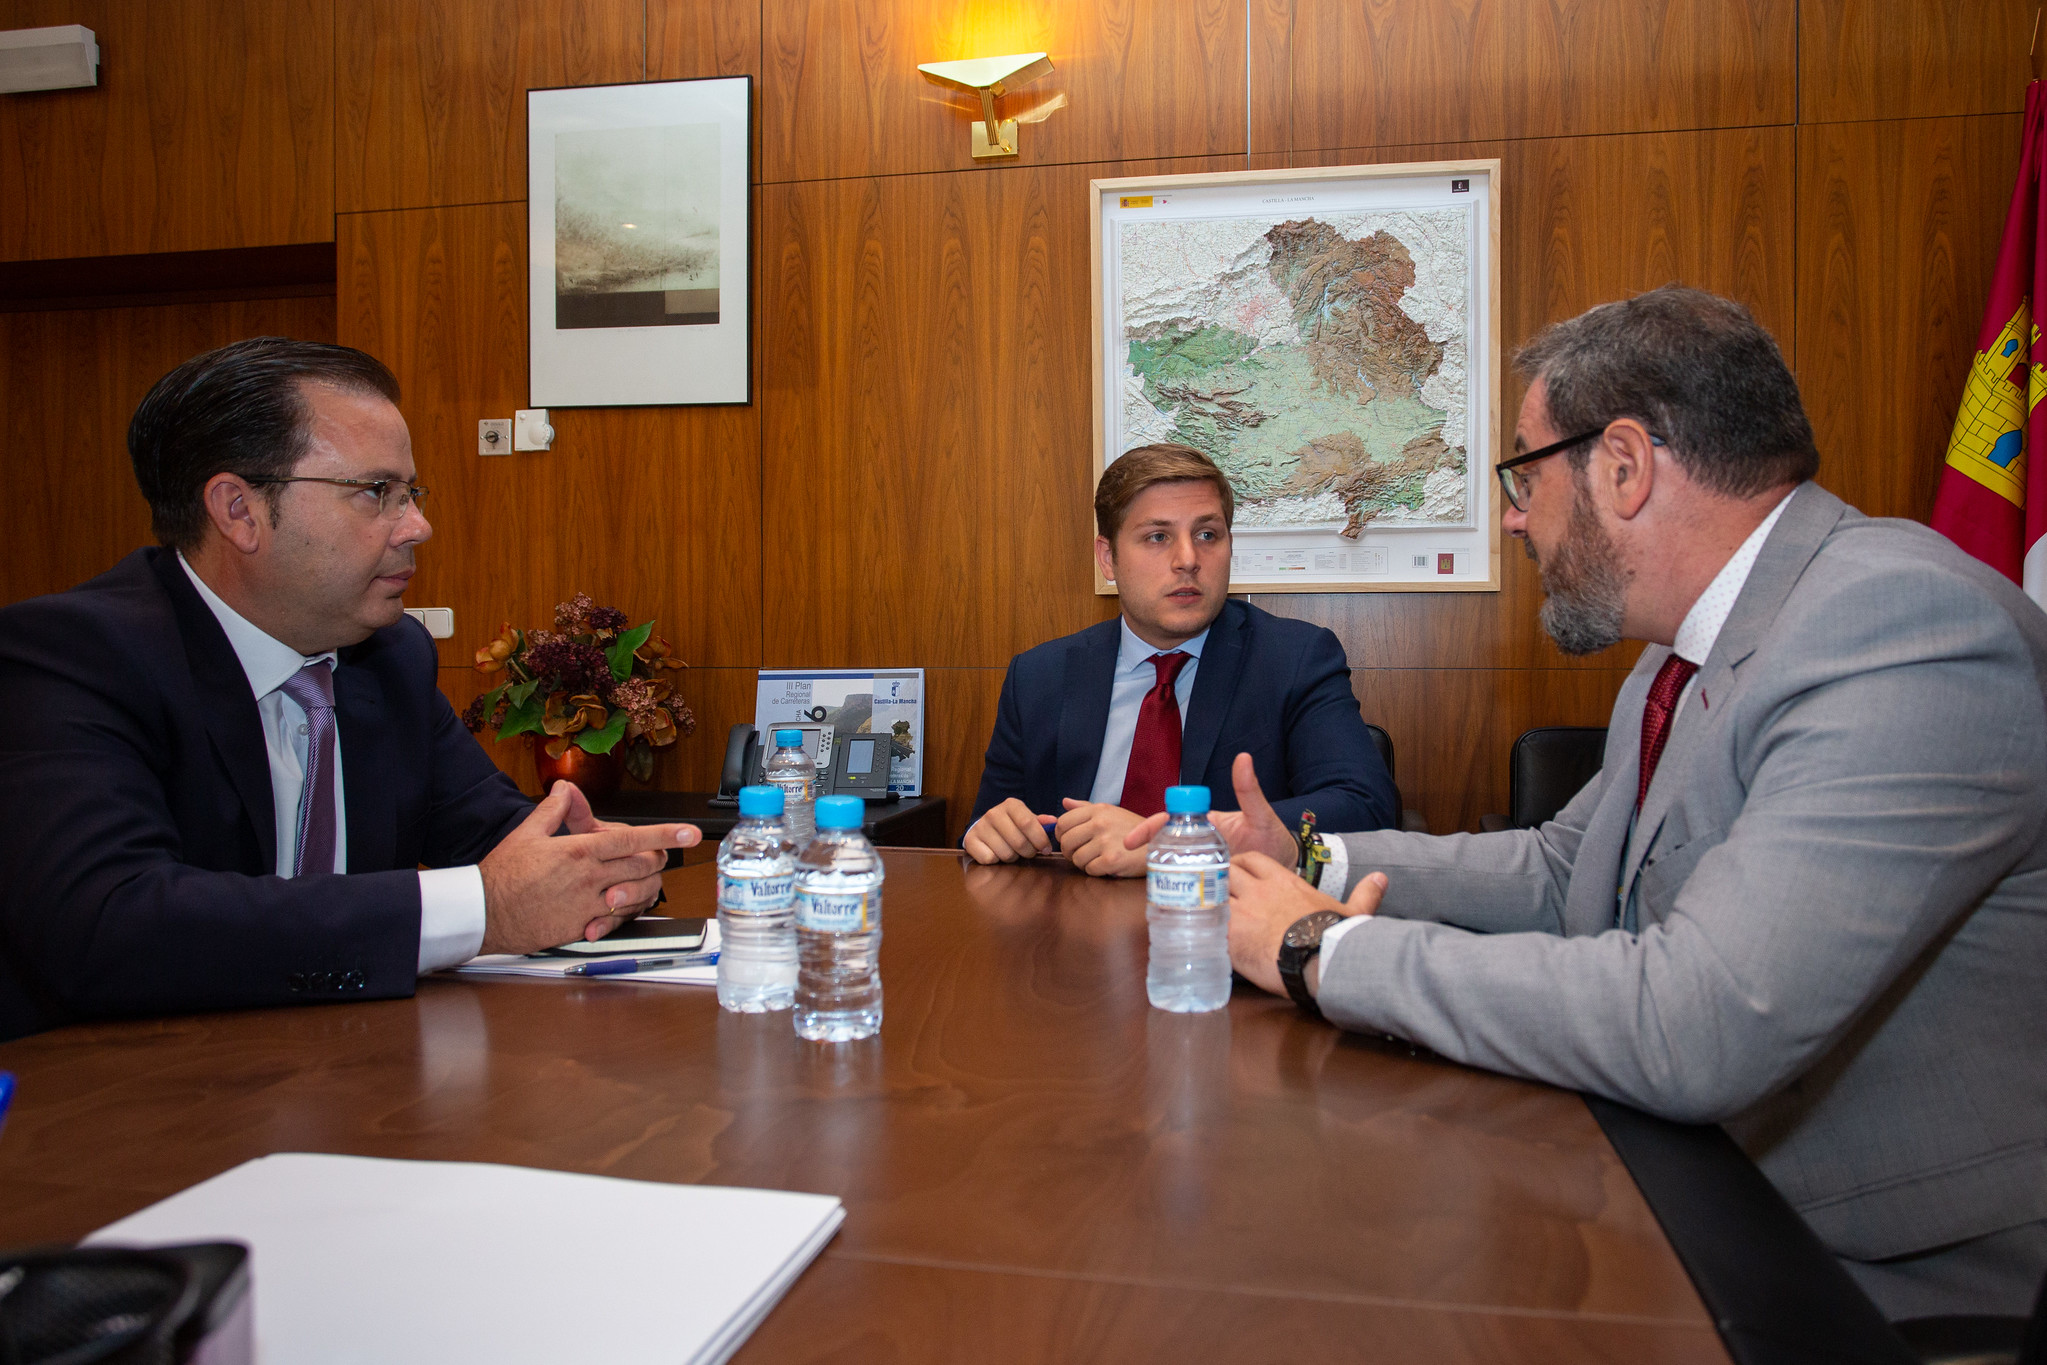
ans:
(656, 510)
(212, 126)
(1033, 1161)
(430, 104)
(841, 94)
(1390, 72)
(1897, 241)
(69, 383)
(1890, 59)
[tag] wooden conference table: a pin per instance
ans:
(1035, 1164)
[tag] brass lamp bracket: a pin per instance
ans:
(990, 78)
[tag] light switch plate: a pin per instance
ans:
(494, 436)
(439, 621)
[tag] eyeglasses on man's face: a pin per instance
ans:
(1515, 485)
(393, 495)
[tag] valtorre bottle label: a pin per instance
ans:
(1193, 889)
(830, 913)
(756, 893)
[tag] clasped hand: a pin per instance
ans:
(540, 890)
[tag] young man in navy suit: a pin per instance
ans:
(1092, 728)
(233, 760)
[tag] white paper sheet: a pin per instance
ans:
(516, 964)
(357, 1260)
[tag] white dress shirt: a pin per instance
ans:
(1696, 636)
(451, 914)
(1135, 676)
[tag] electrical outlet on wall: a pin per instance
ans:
(494, 436)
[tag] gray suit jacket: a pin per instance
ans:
(1841, 875)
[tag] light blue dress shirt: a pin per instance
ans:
(1135, 676)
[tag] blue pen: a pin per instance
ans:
(6, 1095)
(619, 966)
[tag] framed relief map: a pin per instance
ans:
(638, 225)
(1330, 338)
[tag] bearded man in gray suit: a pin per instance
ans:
(1821, 918)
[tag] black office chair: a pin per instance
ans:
(1776, 1294)
(1410, 820)
(1548, 766)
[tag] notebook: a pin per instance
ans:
(359, 1259)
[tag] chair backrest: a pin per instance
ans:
(1548, 767)
(1384, 743)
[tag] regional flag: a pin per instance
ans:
(1992, 500)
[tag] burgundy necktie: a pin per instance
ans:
(1662, 704)
(312, 687)
(1155, 749)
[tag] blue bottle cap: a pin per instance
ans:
(757, 803)
(787, 739)
(840, 812)
(1186, 800)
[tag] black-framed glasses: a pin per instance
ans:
(393, 495)
(1517, 490)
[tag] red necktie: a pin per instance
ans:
(1656, 713)
(1155, 749)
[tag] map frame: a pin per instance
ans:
(1416, 557)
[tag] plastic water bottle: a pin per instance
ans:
(757, 908)
(1187, 905)
(838, 927)
(791, 770)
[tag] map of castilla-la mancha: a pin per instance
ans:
(1321, 361)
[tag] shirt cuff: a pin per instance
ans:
(1336, 872)
(450, 916)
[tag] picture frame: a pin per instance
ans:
(1330, 336)
(640, 232)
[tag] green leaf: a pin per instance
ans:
(605, 740)
(490, 701)
(521, 692)
(523, 719)
(620, 653)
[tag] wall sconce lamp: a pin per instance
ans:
(991, 78)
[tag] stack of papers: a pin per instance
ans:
(514, 964)
(356, 1259)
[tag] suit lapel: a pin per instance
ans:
(1090, 675)
(221, 694)
(1590, 904)
(1215, 684)
(1793, 541)
(372, 819)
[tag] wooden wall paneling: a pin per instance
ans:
(842, 95)
(928, 394)
(431, 94)
(692, 38)
(1452, 728)
(211, 127)
(959, 715)
(655, 510)
(1441, 70)
(69, 382)
(1587, 220)
(1871, 59)
(1269, 76)
(1898, 230)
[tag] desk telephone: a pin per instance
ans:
(847, 765)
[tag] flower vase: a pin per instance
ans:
(597, 774)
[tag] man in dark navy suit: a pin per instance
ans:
(230, 761)
(1091, 729)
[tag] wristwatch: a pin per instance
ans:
(1302, 941)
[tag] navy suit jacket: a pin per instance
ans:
(138, 839)
(1268, 686)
